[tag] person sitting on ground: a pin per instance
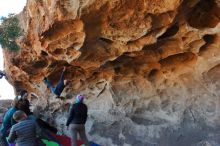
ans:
(77, 119)
(8, 122)
(25, 131)
(60, 85)
(2, 74)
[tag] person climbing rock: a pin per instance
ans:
(8, 122)
(25, 131)
(77, 119)
(2, 74)
(60, 85)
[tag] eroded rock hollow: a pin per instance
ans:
(150, 68)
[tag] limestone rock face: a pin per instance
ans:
(149, 68)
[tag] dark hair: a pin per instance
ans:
(24, 105)
(23, 92)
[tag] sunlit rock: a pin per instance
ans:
(149, 68)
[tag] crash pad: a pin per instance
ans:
(50, 143)
(93, 144)
(46, 142)
(66, 141)
(63, 140)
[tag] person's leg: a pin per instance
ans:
(60, 85)
(82, 133)
(61, 81)
(49, 85)
(73, 131)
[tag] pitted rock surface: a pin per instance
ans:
(149, 68)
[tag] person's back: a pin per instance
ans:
(8, 120)
(24, 132)
(23, 102)
(80, 113)
(24, 105)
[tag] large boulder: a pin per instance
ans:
(149, 68)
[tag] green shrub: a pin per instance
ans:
(9, 32)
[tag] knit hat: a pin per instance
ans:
(79, 98)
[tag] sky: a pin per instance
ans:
(6, 7)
